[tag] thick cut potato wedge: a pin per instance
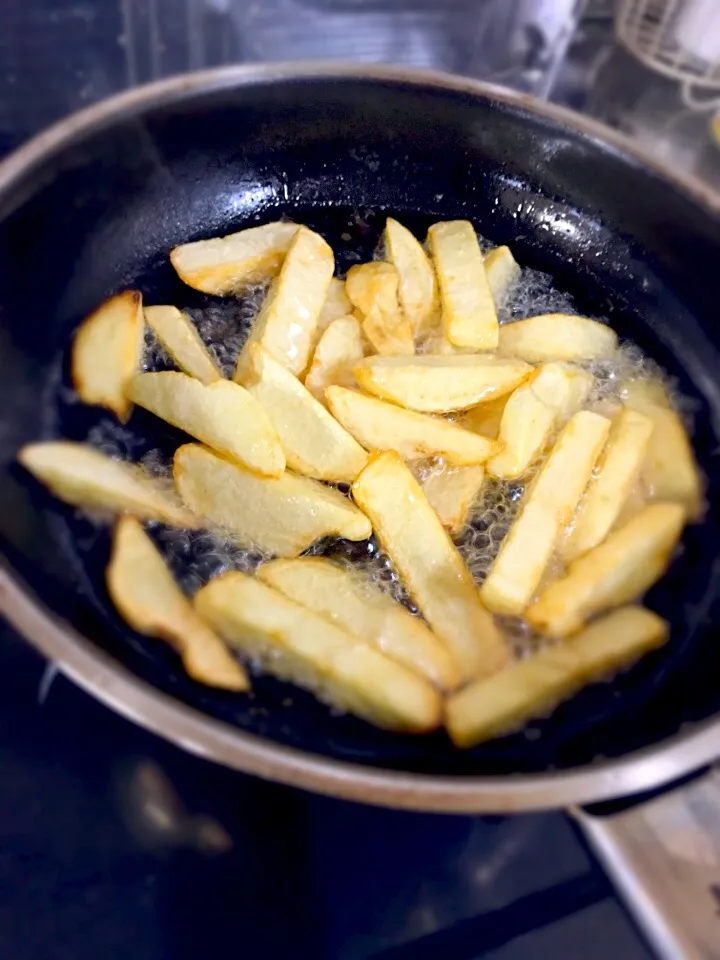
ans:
(383, 426)
(354, 603)
(287, 323)
(486, 417)
(279, 516)
(418, 287)
(221, 414)
(548, 505)
(670, 471)
(297, 644)
(437, 384)
(644, 392)
(224, 265)
(501, 270)
(616, 477)
(314, 443)
(339, 349)
(535, 686)
(469, 318)
(373, 290)
(531, 413)
(337, 304)
(430, 566)
(178, 334)
(556, 336)
(618, 571)
(148, 599)
(452, 494)
(84, 477)
(106, 353)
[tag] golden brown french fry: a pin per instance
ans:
(486, 417)
(468, 310)
(556, 336)
(148, 599)
(452, 494)
(670, 471)
(501, 270)
(287, 323)
(313, 441)
(618, 571)
(439, 384)
(106, 353)
(82, 476)
(383, 426)
(221, 414)
(178, 334)
(616, 476)
(224, 265)
(340, 347)
(531, 413)
(534, 686)
(373, 290)
(429, 565)
(548, 505)
(279, 516)
(337, 304)
(297, 644)
(354, 603)
(418, 287)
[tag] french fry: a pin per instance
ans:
(287, 323)
(429, 565)
(178, 334)
(530, 414)
(616, 476)
(279, 516)
(356, 605)
(83, 477)
(106, 353)
(383, 426)
(549, 504)
(339, 349)
(643, 392)
(297, 644)
(224, 265)
(618, 571)
(486, 417)
(417, 284)
(468, 310)
(452, 494)
(314, 443)
(502, 271)
(337, 304)
(556, 336)
(670, 471)
(373, 290)
(148, 599)
(533, 687)
(221, 414)
(438, 384)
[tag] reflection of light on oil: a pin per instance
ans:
(250, 196)
(558, 223)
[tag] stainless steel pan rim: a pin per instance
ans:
(137, 700)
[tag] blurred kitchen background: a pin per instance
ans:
(647, 67)
(115, 844)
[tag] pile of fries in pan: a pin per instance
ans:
(346, 385)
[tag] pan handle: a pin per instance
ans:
(664, 857)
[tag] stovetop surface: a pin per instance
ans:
(115, 844)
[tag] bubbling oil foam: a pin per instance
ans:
(195, 557)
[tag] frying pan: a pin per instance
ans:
(93, 206)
